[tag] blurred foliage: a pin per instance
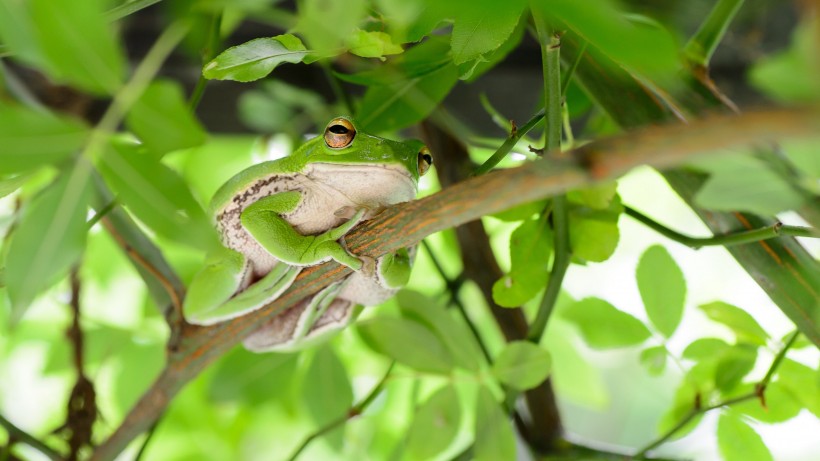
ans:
(392, 64)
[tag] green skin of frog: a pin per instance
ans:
(279, 216)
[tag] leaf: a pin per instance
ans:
(522, 365)
(157, 196)
(471, 70)
(452, 333)
(788, 76)
(326, 24)
(662, 288)
(162, 120)
(682, 406)
(255, 59)
(247, 377)
(594, 233)
(654, 359)
(372, 44)
(412, 89)
(735, 363)
(739, 321)
(483, 27)
(49, 239)
(139, 365)
(799, 380)
(79, 44)
(781, 405)
(31, 139)
(10, 185)
(407, 342)
(494, 438)
(435, 425)
(597, 197)
(745, 183)
(705, 348)
(605, 327)
(737, 441)
(530, 251)
(326, 391)
(17, 32)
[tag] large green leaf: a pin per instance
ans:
(247, 377)
(30, 138)
(662, 288)
(156, 195)
(17, 32)
(407, 342)
(326, 391)
(530, 251)
(522, 365)
(162, 120)
(739, 321)
(594, 232)
(737, 441)
(494, 438)
(435, 425)
(482, 27)
(79, 44)
(705, 348)
(411, 90)
(255, 59)
(603, 326)
(453, 334)
(49, 239)
(800, 380)
(780, 404)
(790, 75)
(325, 25)
(732, 365)
(370, 44)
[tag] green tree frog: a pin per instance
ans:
(279, 216)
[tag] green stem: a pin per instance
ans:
(560, 222)
(760, 388)
(23, 436)
(214, 42)
(734, 238)
(128, 8)
(354, 411)
(702, 45)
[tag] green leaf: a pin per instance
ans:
(789, 76)
(325, 25)
(522, 365)
(682, 406)
(414, 86)
(407, 342)
(138, 366)
(162, 120)
(471, 70)
(17, 32)
(739, 321)
(79, 44)
(597, 197)
(9, 185)
(705, 349)
(781, 405)
(326, 391)
(247, 377)
(654, 359)
(737, 441)
(255, 59)
(605, 327)
(799, 380)
(662, 288)
(735, 363)
(530, 250)
(745, 183)
(33, 138)
(494, 438)
(521, 212)
(372, 44)
(435, 425)
(453, 334)
(156, 195)
(594, 233)
(49, 239)
(482, 27)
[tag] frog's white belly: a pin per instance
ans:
(325, 189)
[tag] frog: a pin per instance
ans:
(276, 217)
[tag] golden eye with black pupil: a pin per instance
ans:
(339, 133)
(425, 160)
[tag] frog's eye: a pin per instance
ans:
(339, 133)
(425, 160)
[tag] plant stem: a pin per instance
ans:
(354, 411)
(508, 144)
(550, 57)
(213, 43)
(23, 436)
(702, 45)
(760, 388)
(734, 238)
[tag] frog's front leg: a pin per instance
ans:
(210, 298)
(264, 222)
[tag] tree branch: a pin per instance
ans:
(15, 433)
(406, 224)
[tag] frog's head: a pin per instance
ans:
(344, 144)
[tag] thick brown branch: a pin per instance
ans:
(406, 224)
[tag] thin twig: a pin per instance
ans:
(757, 393)
(82, 406)
(148, 438)
(733, 238)
(354, 411)
(213, 43)
(20, 435)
